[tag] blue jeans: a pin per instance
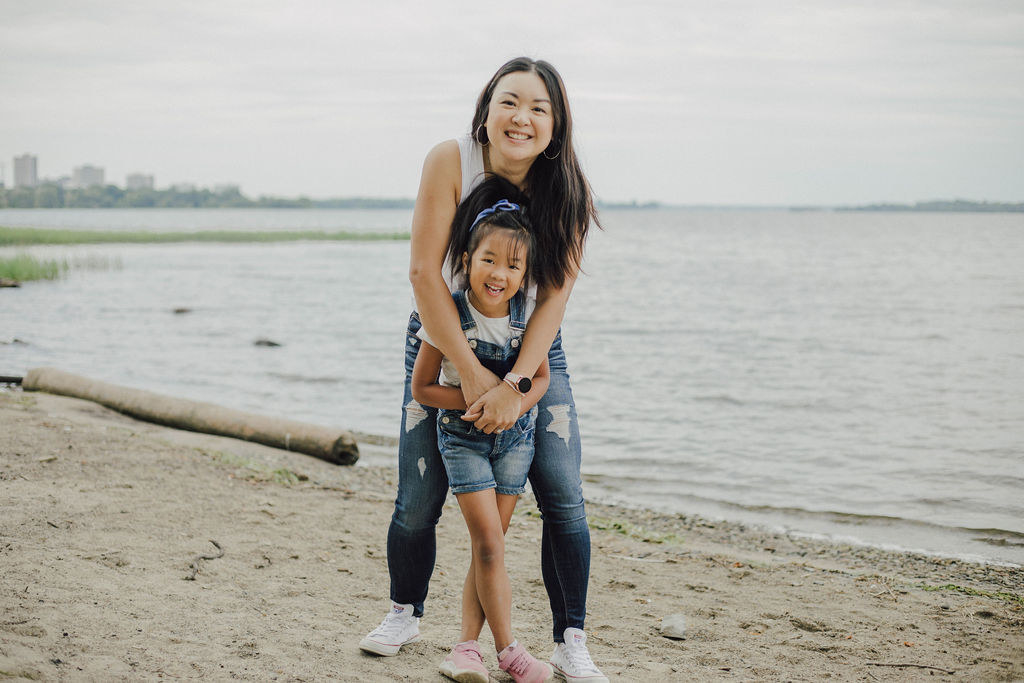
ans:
(554, 476)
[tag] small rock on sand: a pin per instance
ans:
(674, 626)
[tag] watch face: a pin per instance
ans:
(525, 384)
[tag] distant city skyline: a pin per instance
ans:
(26, 171)
(737, 103)
(87, 175)
(26, 174)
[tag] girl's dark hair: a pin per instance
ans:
(465, 238)
(562, 206)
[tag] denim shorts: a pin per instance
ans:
(476, 461)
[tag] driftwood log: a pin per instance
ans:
(333, 445)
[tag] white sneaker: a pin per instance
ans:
(399, 628)
(572, 662)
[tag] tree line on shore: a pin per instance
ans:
(954, 205)
(53, 196)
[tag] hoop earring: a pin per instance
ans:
(545, 153)
(476, 136)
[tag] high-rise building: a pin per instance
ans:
(25, 174)
(86, 176)
(139, 181)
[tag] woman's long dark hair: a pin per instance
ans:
(464, 238)
(562, 206)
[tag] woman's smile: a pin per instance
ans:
(519, 119)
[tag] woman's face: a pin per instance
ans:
(520, 119)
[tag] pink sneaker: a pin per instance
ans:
(522, 666)
(465, 664)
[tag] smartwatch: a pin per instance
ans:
(521, 384)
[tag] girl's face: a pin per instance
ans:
(520, 121)
(495, 270)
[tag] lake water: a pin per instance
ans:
(857, 375)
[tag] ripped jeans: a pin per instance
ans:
(554, 477)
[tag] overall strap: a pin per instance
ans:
(517, 312)
(465, 317)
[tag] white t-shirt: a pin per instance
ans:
(494, 330)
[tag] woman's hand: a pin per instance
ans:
(476, 381)
(495, 411)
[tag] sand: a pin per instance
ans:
(101, 518)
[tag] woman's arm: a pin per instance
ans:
(431, 226)
(542, 328)
(500, 407)
(425, 388)
(539, 388)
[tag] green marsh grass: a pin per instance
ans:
(31, 236)
(23, 267)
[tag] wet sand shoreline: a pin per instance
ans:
(102, 517)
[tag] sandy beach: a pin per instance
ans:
(102, 518)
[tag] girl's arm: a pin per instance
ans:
(500, 407)
(431, 225)
(426, 390)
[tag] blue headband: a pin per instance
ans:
(501, 205)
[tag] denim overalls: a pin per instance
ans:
(474, 460)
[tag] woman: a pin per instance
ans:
(522, 131)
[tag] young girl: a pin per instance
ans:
(486, 472)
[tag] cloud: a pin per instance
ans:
(688, 102)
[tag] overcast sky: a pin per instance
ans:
(705, 102)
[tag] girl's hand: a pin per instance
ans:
(497, 410)
(476, 381)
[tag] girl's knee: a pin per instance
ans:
(489, 550)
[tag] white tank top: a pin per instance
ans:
(471, 154)
(472, 161)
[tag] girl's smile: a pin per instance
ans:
(495, 270)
